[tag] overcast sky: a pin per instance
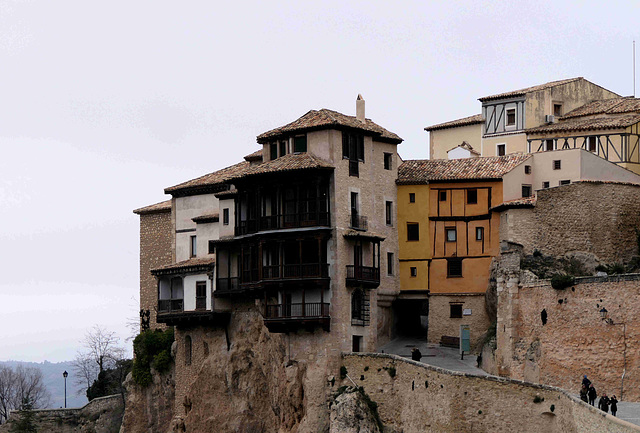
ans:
(104, 104)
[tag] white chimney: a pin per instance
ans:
(360, 108)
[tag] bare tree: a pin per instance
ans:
(101, 351)
(18, 385)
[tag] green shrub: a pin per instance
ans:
(616, 268)
(538, 399)
(151, 347)
(562, 281)
(391, 371)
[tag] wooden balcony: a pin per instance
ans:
(296, 271)
(289, 317)
(366, 276)
(172, 313)
(227, 285)
(170, 305)
(283, 221)
(251, 280)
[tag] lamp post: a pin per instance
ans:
(65, 374)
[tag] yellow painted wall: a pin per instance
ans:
(443, 140)
(516, 143)
(413, 253)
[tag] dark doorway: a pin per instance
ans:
(411, 317)
(357, 343)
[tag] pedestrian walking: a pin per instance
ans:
(592, 395)
(603, 404)
(583, 394)
(416, 355)
(614, 405)
(586, 382)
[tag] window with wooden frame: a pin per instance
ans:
(527, 169)
(300, 144)
(283, 147)
(545, 184)
(565, 182)
(414, 271)
(388, 213)
(455, 311)
(526, 190)
(442, 195)
(352, 146)
(212, 247)
(201, 295)
(501, 149)
(557, 109)
(479, 233)
(390, 261)
(388, 161)
(592, 144)
(225, 216)
(510, 118)
(193, 246)
(273, 151)
(454, 268)
(451, 234)
(412, 197)
(548, 145)
(472, 196)
(557, 164)
(413, 231)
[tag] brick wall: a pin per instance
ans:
(155, 250)
(429, 399)
(600, 218)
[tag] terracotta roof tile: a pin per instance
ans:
(471, 120)
(191, 265)
(516, 203)
(319, 119)
(208, 218)
(526, 90)
(289, 162)
(164, 206)
(608, 106)
(222, 195)
(216, 178)
(255, 156)
(587, 124)
(420, 171)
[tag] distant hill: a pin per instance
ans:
(54, 381)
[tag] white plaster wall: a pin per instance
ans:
(189, 283)
(187, 208)
(206, 232)
(512, 182)
(226, 230)
(594, 167)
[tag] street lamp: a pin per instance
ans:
(603, 313)
(65, 374)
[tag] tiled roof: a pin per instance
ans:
(164, 206)
(319, 119)
(608, 106)
(222, 195)
(517, 203)
(208, 218)
(587, 124)
(191, 265)
(289, 162)
(420, 171)
(466, 146)
(357, 234)
(526, 90)
(211, 179)
(471, 120)
(255, 156)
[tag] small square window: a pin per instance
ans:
(414, 271)
(479, 233)
(557, 164)
(501, 149)
(413, 231)
(526, 190)
(511, 117)
(557, 110)
(442, 195)
(300, 144)
(225, 216)
(390, 263)
(388, 212)
(472, 196)
(527, 169)
(451, 234)
(565, 182)
(454, 268)
(387, 161)
(412, 197)
(455, 311)
(545, 184)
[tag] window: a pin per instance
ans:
(557, 164)
(412, 197)
(526, 190)
(454, 268)
(357, 305)
(557, 110)
(479, 233)
(527, 169)
(455, 311)
(212, 247)
(352, 146)
(501, 149)
(225, 216)
(511, 117)
(201, 295)
(442, 195)
(193, 246)
(545, 184)
(389, 263)
(300, 144)
(413, 231)
(451, 234)
(592, 144)
(283, 147)
(472, 196)
(187, 350)
(414, 271)
(565, 182)
(273, 154)
(388, 162)
(388, 208)
(548, 145)
(356, 345)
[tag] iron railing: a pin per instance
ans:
(297, 310)
(363, 273)
(170, 305)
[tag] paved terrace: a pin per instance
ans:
(448, 358)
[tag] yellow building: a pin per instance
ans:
(448, 234)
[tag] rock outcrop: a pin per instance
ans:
(352, 412)
(149, 409)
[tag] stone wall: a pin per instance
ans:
(155, 251)
(575, 339)
(440, 322)
(100, 415)
(414, 397)
(595, 217)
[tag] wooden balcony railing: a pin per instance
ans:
(227, 284)
(304, 270)
(170, 305)
(297, 310)
(363, 274)
(201, 302)
(283, 221)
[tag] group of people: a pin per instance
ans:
(588, 394)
